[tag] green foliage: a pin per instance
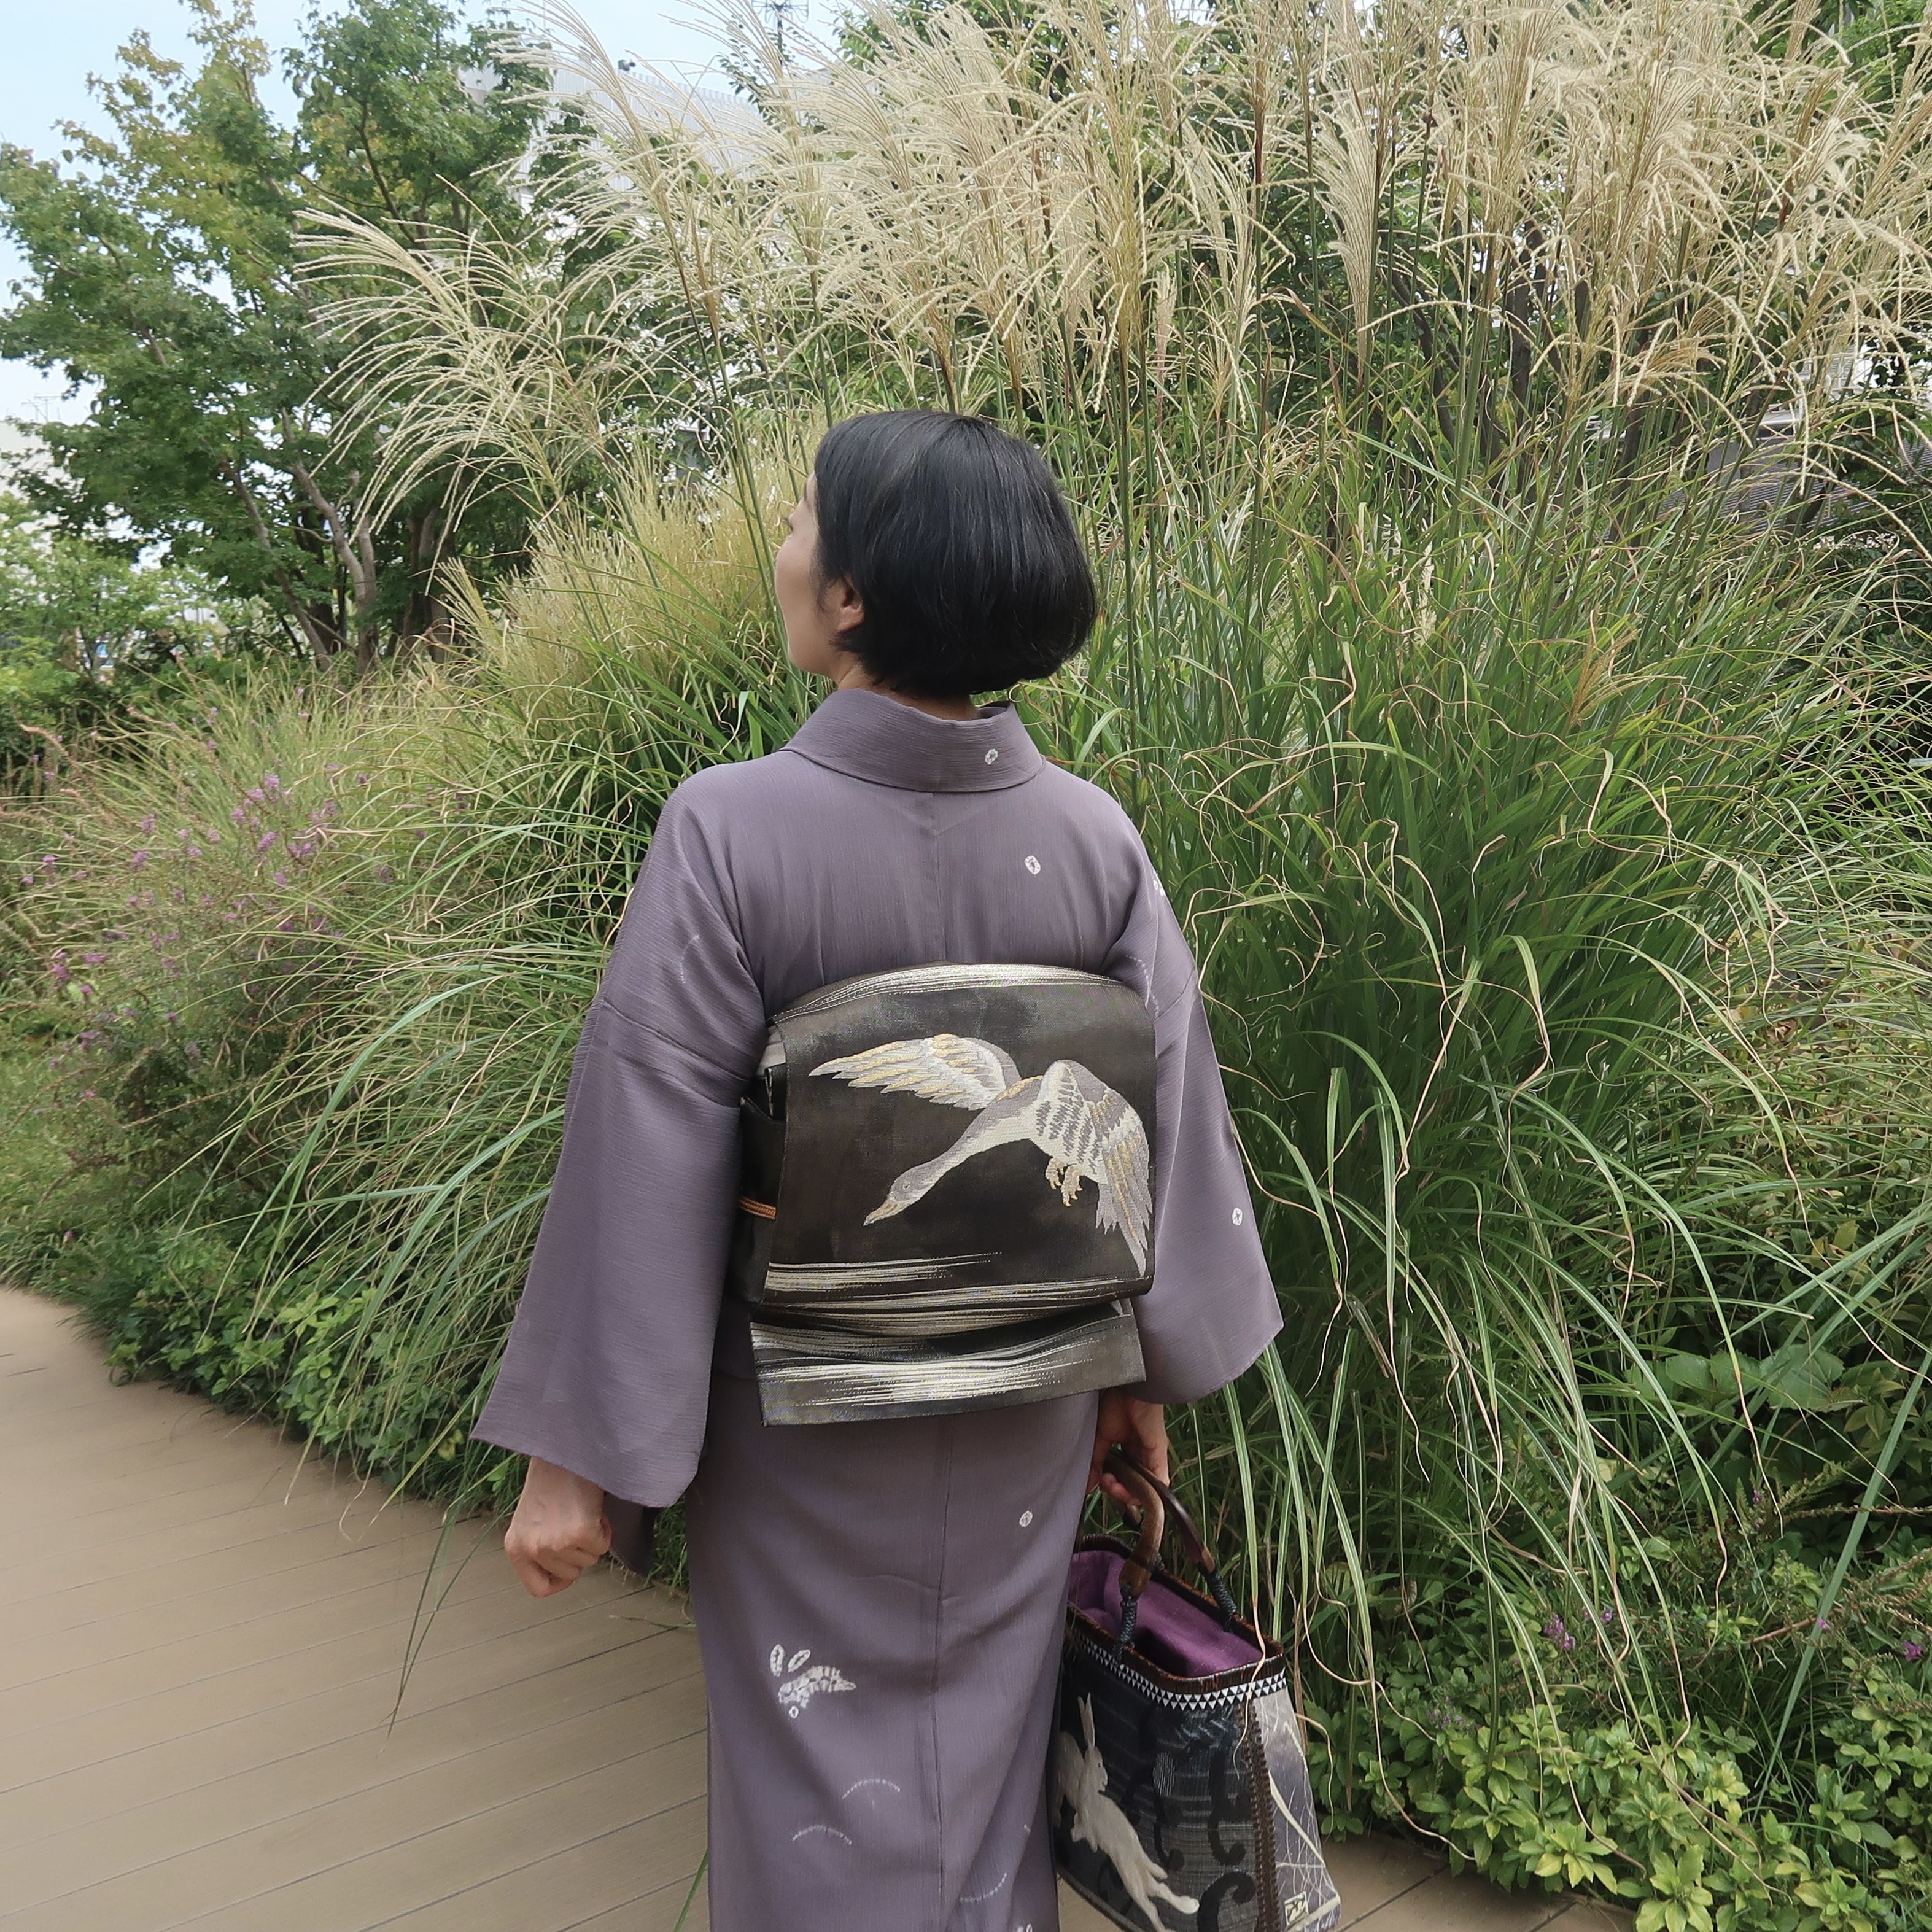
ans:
(89, 635)
(160, 257)
(1542, 1787)
(312, 947)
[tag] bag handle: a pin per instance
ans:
(1159, 1507)
(1146, 1559)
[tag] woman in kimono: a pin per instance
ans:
(879, 1603)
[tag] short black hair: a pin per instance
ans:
(959, 545)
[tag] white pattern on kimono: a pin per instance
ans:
(808, 1831)
(799, 1689)
(1080, 1783)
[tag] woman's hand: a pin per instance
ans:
(560, 1528)
(1138, 1427)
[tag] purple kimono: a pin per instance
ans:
(880, 1604)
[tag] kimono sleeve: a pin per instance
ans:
(1213, 1308)
(607, 1371)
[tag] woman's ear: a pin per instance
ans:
(841, 602)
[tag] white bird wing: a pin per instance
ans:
(948, 1068)
(1092, 1128)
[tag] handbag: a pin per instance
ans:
(1180, 1795)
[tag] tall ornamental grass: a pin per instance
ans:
(1505, 675)
(1569, 1082)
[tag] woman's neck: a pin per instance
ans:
(854, 676)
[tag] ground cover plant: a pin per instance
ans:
(1494, 435)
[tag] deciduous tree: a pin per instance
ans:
(161, 256)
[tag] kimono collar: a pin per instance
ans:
(867, 735)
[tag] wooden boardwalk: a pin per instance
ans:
(202, 1635)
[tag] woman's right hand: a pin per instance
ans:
(560, 1528)
(1138, 1427)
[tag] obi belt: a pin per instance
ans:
(946, 1196)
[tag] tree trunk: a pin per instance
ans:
(354, 544)
(324, 640)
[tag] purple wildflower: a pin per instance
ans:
(262, 844)
(238, 815)
(193, 852)
(272, 785)
(138, 860)
(1558, 1634)
(93, 958)
(1822, 1624)
(1912, 1652)
(213, 713)
(254, 795)
(148, 824)
(281, 878)
(58, 967)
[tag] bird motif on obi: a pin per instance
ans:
(1086, 1131)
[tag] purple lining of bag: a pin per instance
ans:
(1174, 1634)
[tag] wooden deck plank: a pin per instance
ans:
(179, 1581)
(207, 1622)
(200, 1654)
(656, 1912)
(1373, 1872)
(572, 1813)
(1463, 1904)
(635, 1877)
(267, 1459)
(77, 1548)
(137, 1558)
(276, 1683)
(333, 1807)
(568, 1661)
(109, 1422)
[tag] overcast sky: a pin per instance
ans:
(53, 46)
